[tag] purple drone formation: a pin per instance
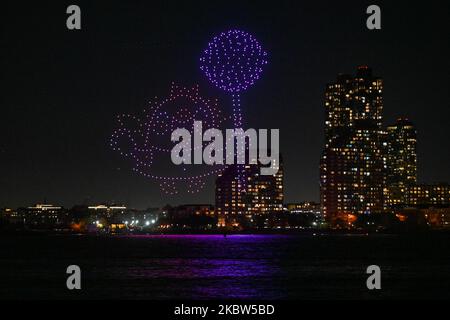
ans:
(233, 61)
(145, 138)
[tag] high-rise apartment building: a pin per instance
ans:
(401, 143)
(353, 163)
(264, 193)
(402, 153)
(258, 195)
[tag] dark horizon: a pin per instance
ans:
(64, 88)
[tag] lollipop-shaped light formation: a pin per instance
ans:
(233, 61)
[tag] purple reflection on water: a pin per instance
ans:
(205, 266)
(236, 267)
(201, 268)
(209, 236)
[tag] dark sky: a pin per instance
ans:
(62, 89)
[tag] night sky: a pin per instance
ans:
(62, 89)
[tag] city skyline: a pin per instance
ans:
(398, 134)
(368, 168)
(55, 131)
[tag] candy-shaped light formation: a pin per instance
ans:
(145, 139)
(233, 61)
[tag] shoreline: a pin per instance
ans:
(325, 232)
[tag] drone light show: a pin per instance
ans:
(233, 61)
(145, 139)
